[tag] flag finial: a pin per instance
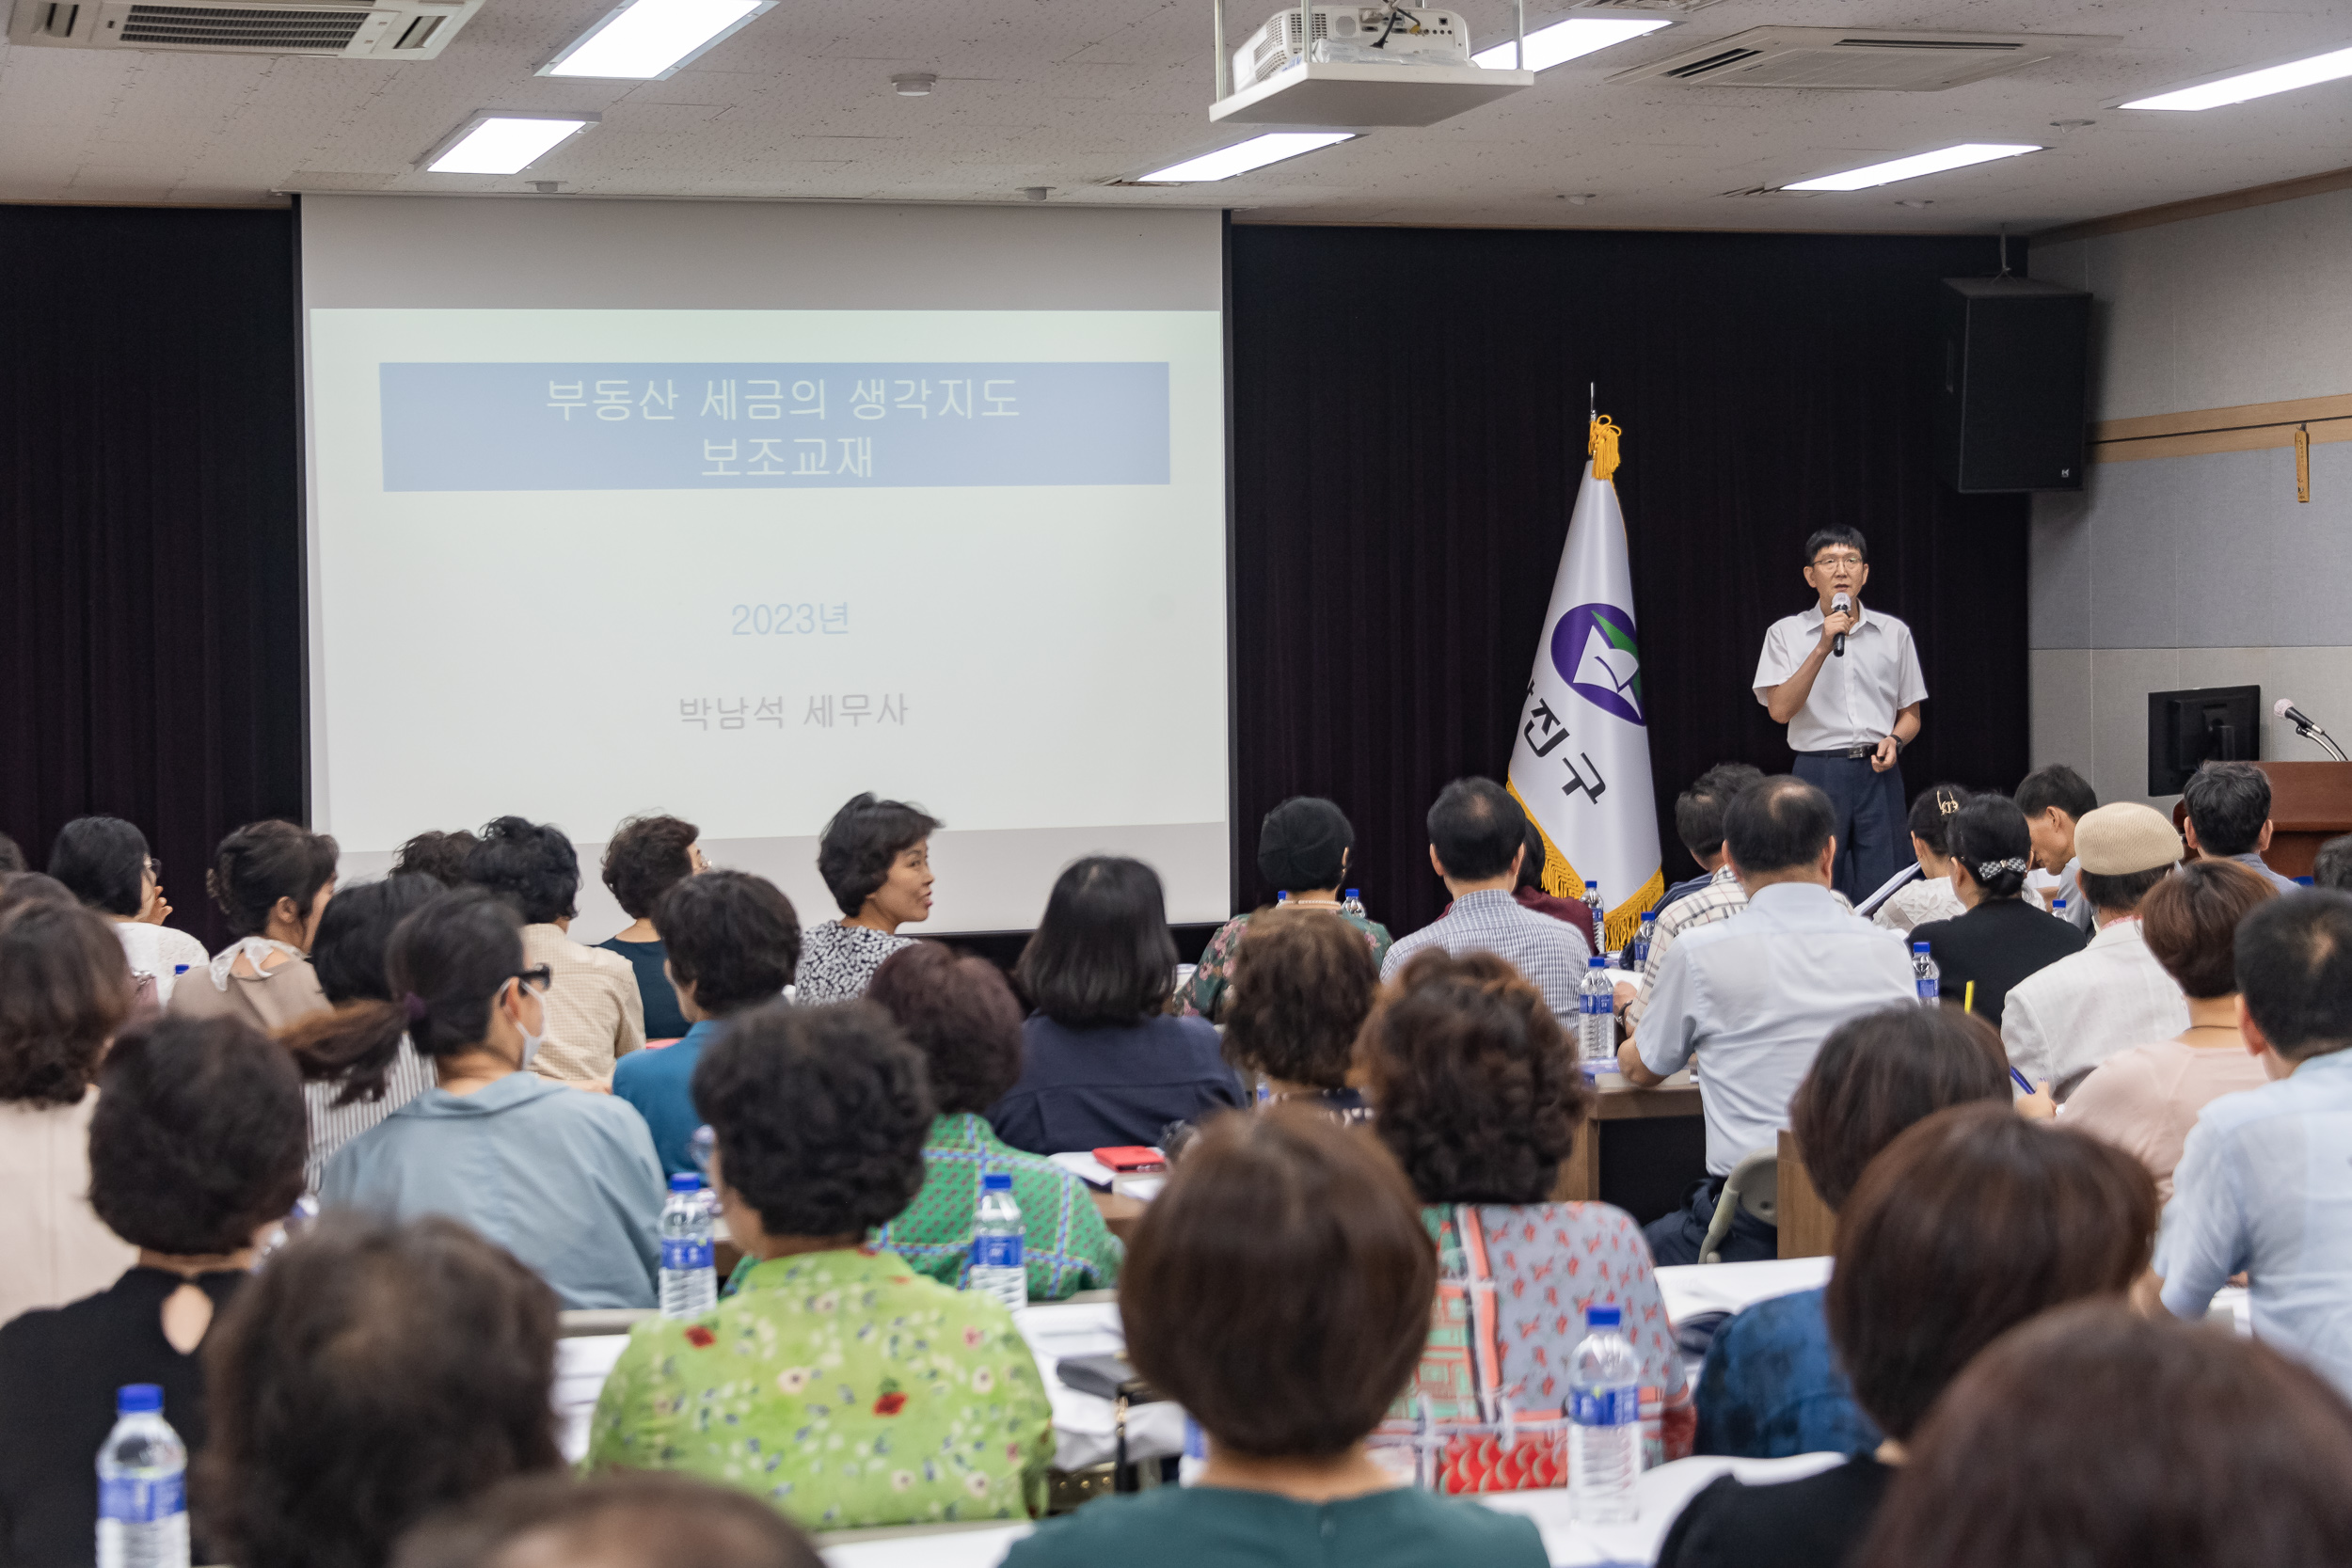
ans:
(1601, 446)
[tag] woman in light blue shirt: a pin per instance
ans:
(563, 1178)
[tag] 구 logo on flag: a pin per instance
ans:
(1593, 650)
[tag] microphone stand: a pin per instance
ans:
(2313, 732)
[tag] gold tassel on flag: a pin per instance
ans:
(1601, 446)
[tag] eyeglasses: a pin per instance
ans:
(156, 867)
(1829, 562)
(538, 979)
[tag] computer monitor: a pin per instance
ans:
(2208, 723)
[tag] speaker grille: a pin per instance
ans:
(211, 27)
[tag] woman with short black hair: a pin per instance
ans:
(1279, 1290)
(595, 1013)
(1303, 850)
(926, 1398)
(2003, 937)
(959, 1013)
(566, 1181)
(1477, 1092)
(1970, 1223)
(64, 990)
(644, 859)
(1928, 895)
(373, 1373)
(105, 861)
(196, 1153)
(875, 858)
(348, 957)
(272, 880)
(1103, 1064)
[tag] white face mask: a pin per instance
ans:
(530, 1041)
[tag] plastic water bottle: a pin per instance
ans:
(1605, 1422)
(1354, 903)
(2057, 906)
(1599, 906)
(689, 1279)
(1637, 951)
(142, 1486)
(1596, 1018)
(1925, 974)
(1282, 897)
(999, 1265)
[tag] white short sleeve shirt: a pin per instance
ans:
(1854, 699)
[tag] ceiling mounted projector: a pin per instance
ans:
(382, 30)
(1355, 66)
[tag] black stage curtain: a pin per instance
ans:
(151, 554)
(1409, 430)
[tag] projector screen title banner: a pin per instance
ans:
(772, 426)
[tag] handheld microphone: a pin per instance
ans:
(2305, 726)
(1841, 605)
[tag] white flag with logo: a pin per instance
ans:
(1581, 761)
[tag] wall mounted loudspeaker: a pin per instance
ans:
(2009, 412)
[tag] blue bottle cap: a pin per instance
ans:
(1601, 1316)
(1649, 915)
(1353, 891)
(1918, 947)
(1283, 896)
(997, 1181)
(1596, 962)
(178, 969)
(139, 1399)
(685, 1182)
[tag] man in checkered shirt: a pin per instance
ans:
(1477, 834)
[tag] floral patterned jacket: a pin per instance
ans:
(845, 1388)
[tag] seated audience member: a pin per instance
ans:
(2228, 816)
(2003, 937)
(1279, 1291)
(196, 1152)
(1530, 893)
(34, 887)
(1480, 1096)
(1750, 999)
(594, 1016)
(1303, 850)
(1699, 824)
(438, 855)
(926, 1398)
(1929, 897)
(647, 858)
(875, 858)
(630, 1519)
(2332, 866)
(568, 1183)
(2146, 1099)
(731, 942)
(369, 1375)
(959, 1013)
(1103, 1066)
(272, 880)
(1477, 842)
(1968, 1224)
(64, 990)
(103, 860)
(1302, 990)
(2054, 799)
(2263, 1186)
(2094, 1437)
(1772, 1386)
(2113, 994)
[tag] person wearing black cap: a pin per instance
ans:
(1302, 852)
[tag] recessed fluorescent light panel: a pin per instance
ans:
(1569, 41)
(2253, 84)
(503, 143)
(1915, 165)
(1242, 157)
(651, 39)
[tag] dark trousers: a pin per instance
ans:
(1676, 1237)
(1873, 836)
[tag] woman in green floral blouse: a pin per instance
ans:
(835, 1381)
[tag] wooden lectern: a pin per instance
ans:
(2310, 803)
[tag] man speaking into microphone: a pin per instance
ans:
(1847, 685)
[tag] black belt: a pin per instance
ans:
(1848, 751)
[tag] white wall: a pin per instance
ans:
(2199, 571)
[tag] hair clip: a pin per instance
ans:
(414, 1006)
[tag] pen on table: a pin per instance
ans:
(1969, 998)
(2022, 1081)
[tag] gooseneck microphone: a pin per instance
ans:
(1841, 605)
(2307, 726)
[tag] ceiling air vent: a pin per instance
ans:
(1835, 59)
(360, 30)
(1674, 7)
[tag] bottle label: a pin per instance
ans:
(996, 1252)
(684, 1256)
(1928, 988)
(1599, 1004)
(136, 1501)
(1605, 1407)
